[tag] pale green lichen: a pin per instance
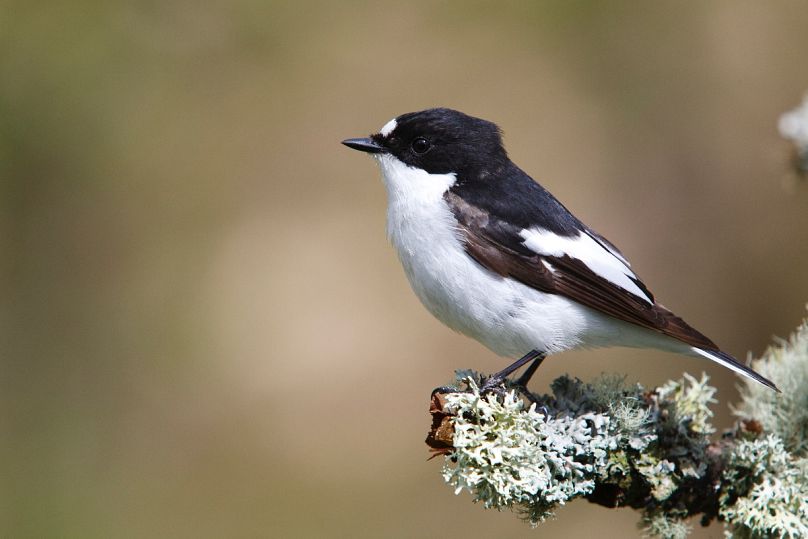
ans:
(659, 525)
(693, 400)
(660, 475)
(784, 414)
(510, 454)
(773, 468)
(776, 500)
(617, 444)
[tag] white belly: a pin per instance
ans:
(505, 315)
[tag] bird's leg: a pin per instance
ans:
(528, 374)
(496, 379)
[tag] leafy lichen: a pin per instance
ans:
(617, 444)
(775, 503)
(784, 414)
(774, 467)
(510, 454)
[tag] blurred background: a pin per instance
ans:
(205, 332)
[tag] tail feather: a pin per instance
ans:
(730, 362)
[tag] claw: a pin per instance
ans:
(493, 384)
(442, 390)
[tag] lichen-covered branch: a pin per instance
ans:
(619, 445)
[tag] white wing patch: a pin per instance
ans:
(721, 361)
(549, 266)
(388, 128)
(583, 247)
(612, 249)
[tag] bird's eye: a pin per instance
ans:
(420, 145)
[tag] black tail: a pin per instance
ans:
(731, 363)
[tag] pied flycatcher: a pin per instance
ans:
(495, 256)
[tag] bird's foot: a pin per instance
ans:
(493, 384)
(443, 390)
(496, 382)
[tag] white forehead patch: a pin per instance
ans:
(388, 128)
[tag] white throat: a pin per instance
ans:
(412, 186)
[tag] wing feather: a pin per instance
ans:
(501, 248)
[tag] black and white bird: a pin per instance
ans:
(495, 256)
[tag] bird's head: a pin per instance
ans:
(438, 141)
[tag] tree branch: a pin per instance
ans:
(619, 445)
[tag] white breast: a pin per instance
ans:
(506, 316)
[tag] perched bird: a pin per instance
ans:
(492, 254)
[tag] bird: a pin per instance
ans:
(495, 256)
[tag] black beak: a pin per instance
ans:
(364, 145)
